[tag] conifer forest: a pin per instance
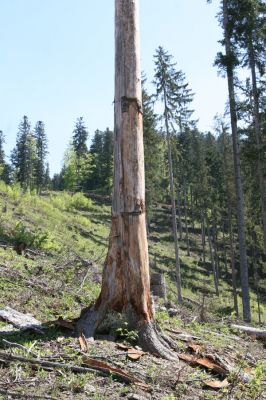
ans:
(138, 270)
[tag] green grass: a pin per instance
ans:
(64, 230)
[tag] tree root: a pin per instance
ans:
(151, 338)
(154, 342)
(88, 322)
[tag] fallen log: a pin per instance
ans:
(249, 330)
(20, 320)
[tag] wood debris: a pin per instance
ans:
(205, 362)
(215, 384)
(132, 353)
(83, 343)
(63, 323)
(120, 373)
(20, 320)
(253, 332)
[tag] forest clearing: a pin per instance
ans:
(138, 271)
(59, 273)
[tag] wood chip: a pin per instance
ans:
(203, 362)
(195, 347)
(134, 354)
(122, 346)
(83, 343)
(215, 384)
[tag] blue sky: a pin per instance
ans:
(57, 62)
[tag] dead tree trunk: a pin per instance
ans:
(125, 281)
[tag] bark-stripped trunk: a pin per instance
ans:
(238, 182)
(257, 130)
(125, 281)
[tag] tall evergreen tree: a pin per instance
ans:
(229, 61)
(154, 149)
(80, 137)
(248, 34)
(24, 156)
(167, 90)
(42, 151)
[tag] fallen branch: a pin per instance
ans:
(7, 343)
(24, 395)
(120, 373)
(254, 332)
(96, 366)
(20, 320)
(233, 337)
(50, 364)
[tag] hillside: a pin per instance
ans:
(52, 249)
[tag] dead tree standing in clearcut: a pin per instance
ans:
(125, 281)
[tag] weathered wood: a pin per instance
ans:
(126, 281)
(50, 364)
(20, 320)
(258, 333)
(95, 366)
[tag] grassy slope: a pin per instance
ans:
(66, 231)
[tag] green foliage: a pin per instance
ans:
(42, 239)
(257, 384)
(80, 202)
(67, 201)
(126, 334)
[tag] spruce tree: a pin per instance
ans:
(154, 149)
(167, 90)
(41, 147)
(107, 161)
(80, 137)
(228, 61)
(24, 156)
(248, 34)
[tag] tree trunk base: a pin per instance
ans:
(88, 322)
(151, 339)
(155, 342)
